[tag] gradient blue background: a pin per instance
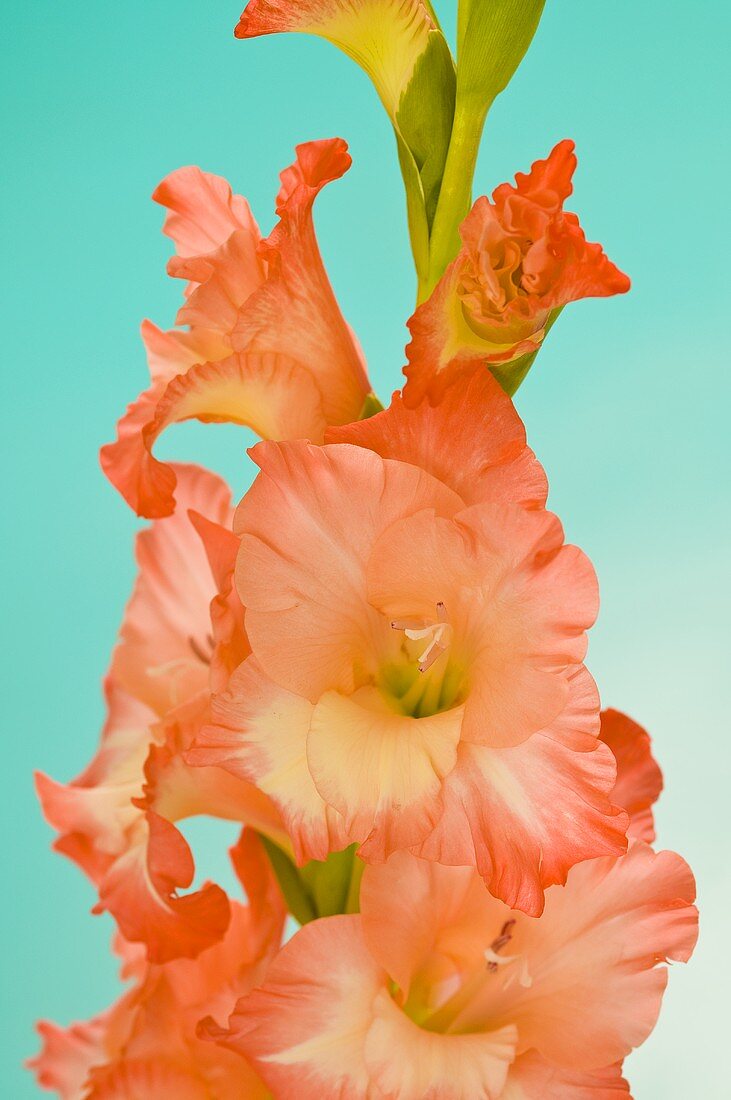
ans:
(627, 407)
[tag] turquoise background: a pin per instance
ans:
(627, 406)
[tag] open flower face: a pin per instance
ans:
(417, 643)
(146, 1045)
(262, 340)
(438, 991)
(116, 820)
(523, 257)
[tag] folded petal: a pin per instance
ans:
(382, 771)
(385, 37)
(141, 891)
(525, 815)
(295, 313)
(307, 526)
(267, 392)
(639, 779)
(230, 642)
(473, 441)
(533, 1078)
(145, 1080)
(304, 1030)
(260, 734)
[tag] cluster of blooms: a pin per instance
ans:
(374, 664)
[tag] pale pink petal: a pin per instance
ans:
(68, 1054)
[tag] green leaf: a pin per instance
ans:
(493, 36)
(321, 888)
(425, 114)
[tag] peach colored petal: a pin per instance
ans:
(408, 1063)
(164, 648)
(381, 770)
(639, 779)
(307, 526)
(525, 815)
(230, 643)
(202, 211)
(426, 924)
(473, 441)
(304, 1030)
(144, 1080)
(595, 986)
(518, 599)
(295, 312)
(532, 1078)
(173, 352)
(67, 1055)
(260, 734)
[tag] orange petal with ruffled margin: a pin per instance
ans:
(267, 392)
(639, 779)
(473, 441)
(202, 211)
(525, 815)
(295, 312)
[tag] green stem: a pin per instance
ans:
(455, 195)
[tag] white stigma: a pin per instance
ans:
(437, 632)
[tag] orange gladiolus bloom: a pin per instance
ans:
(265, 345)
(147, 1044)
(116, 820)
(417, 632)
(438, 991)
(522, 258)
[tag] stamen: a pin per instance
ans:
(438, 632)
(198, 650)
(493, 952)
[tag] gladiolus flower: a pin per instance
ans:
(146, 1045)
(522, 258)
(266, 344)
(116, 819)
(417, 629)
(437, 990)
